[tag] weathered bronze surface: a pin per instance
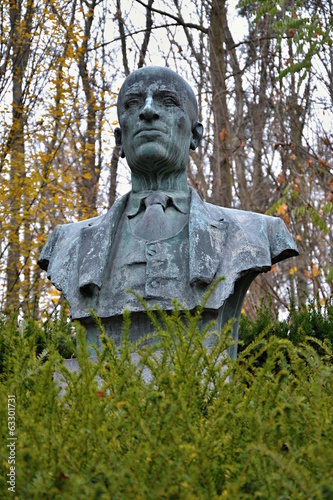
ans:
(161, 240)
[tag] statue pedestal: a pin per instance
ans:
(72, 365)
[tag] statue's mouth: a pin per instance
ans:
(149, 131)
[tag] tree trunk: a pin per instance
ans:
(221, 164)
(20, 42)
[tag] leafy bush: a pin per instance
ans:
(19, 338)
(202, 426)
(312, 320)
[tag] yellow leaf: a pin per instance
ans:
(315, 271)
(282, 209)
(293, 270)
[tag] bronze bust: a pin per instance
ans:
(161, 240)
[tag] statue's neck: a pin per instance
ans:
(141, 181)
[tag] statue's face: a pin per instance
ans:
(157, 116)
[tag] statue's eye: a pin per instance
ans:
(170, 101)
(131, 103)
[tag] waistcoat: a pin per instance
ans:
(157, 270)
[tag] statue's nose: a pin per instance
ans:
(149, 111)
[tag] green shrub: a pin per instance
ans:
(18, 338)
(312, 320)
(203, 426)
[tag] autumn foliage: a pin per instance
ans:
(265, 100)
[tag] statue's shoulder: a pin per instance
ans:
(75, 227)
(234, 215)
(72, 229)
(64, 236)
(256, 230)
(64, 240)
(243, 217)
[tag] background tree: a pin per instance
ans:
(265, 99)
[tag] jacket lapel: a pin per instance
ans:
(95, 244)
(207, 238)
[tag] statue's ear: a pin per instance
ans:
(197, 132)
(119, 143)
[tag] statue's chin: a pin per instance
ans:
(156, 159)
(150, 156)
(151, 164)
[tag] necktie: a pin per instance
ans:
(154, 225)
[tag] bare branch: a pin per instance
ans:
(149, 24)
(178, 20)
(122, 38)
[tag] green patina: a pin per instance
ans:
(161, 240)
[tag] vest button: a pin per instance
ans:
(151, 251)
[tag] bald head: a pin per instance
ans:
(157, 113)
(163, 78)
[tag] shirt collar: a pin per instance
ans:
(181, 201)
